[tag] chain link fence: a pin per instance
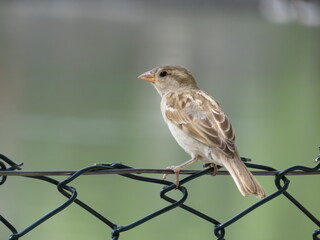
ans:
(281, 181)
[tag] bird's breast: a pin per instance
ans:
(189, 144)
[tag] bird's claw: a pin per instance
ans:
(212, 165)
(176, 170)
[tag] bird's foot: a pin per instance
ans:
(176, 170)
(212, 165)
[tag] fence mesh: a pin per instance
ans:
(9, 168)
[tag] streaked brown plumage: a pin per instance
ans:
(199, 125)
(202, 119)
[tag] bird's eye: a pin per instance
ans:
(163, 74)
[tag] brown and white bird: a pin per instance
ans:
(199, 125)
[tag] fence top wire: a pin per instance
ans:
(8, 168)
(141, 171)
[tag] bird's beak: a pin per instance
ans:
(148, 77)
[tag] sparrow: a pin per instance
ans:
(199, 125)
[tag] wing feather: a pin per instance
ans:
(198, 115)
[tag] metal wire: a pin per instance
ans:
(9, 168)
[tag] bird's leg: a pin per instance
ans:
(177, 169)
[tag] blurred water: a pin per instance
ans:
(69, 97)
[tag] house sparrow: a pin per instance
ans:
(199, 125)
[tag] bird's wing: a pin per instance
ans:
(198, 115)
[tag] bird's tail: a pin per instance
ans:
(245, 181)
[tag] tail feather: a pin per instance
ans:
(245, 181)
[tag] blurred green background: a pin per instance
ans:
(70, 97)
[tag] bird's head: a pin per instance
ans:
(169, 78)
